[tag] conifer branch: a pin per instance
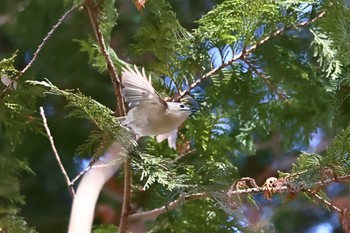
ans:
(151, 214)
(248, 50)
(266, 80)
(93, 12)
(120, 110)
(284, 186)
(48, 132)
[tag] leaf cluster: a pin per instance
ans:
(10, 197)
(156, 168)
(311, 169)
(17, 103)
(83, 107)
(235, 20)
(161, 34)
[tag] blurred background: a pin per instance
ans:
(24, 23)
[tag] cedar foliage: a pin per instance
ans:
(294, 83)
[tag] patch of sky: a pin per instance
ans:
(223, 126)
(81, 163)
(324, 227)
(335, 189)
(315, 139)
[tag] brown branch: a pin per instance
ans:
(246, 52)
(36, 53)
(286, 187)
(266, 80)
(70, 188)
(124, 219)
(151, 214)
(147, 215)
(120, 109)
(92, 10)
(43, 42)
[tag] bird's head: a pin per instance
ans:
(179, 109)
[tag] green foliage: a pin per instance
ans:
(107, 18)
(10, 197)
(195, 216)
(235, 20)
(162, 36)
(14, 224)
(336, 27)
(96, 59)
(326, 55)
(105, 229)
(83, 107)
(9, 174)
(7, 68)
(313, 168)
(72, 2)
(161, 170)
(17, 103)
(240, 105)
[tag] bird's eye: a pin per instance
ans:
(181, 106)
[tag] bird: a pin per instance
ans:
(149, 114)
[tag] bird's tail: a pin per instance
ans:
(83, 206)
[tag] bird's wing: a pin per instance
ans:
(137, 89)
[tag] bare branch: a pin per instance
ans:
(124, 219)
(326, 202)
(284, 186)
(120, 110)
(147, 215)
(246, 52)
(70, 188)
(43, 42)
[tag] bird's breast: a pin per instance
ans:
(150, 120)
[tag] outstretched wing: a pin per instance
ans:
(137, 89)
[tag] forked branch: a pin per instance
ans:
(48, 132)
(245, 52)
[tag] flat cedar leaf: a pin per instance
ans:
(107, 228)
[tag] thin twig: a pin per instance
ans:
(92, 166)
(41, 45)
(266, 80)
(245, 52)
(120, 110)
(80, 175)
(70, 188)
(43, 42)
(146, 215)
(327, 203)
(123, 226)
